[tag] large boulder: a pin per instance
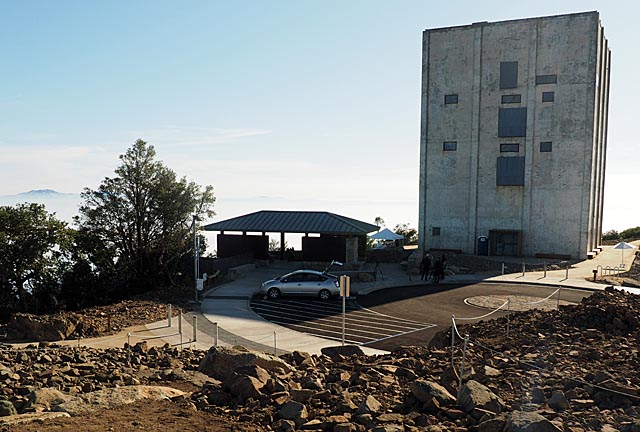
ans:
(247, 382)
(221, 362)
(27, 327)
(425, 391)
(44, 399)
(335, 352)
(524, 421)
(31, 417)
(295, 411)
(477, 399)
(115, 397)
(7, 408)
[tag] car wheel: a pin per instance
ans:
(324, 294)
(273, 293)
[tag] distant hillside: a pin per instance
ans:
(64, 205)
(43, 193)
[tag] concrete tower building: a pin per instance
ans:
(514, 135)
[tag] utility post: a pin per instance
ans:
(345, 291)
(196, 255)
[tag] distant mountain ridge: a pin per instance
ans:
(43, 193)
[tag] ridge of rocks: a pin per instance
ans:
(572, 369)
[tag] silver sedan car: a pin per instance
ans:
(302, 283)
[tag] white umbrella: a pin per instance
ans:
(622, 246)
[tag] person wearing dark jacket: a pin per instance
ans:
(438, 270)
(425, 265)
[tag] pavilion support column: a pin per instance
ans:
(282, 246)
(351, 250)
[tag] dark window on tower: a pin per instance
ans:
(450, 99)
(506, 99)
(508, 75)
(435, 231)
(547, 79)
(510, 171)
(450, 146)
(511, 147)
(512, 122)
(548, 96)
(546, 146)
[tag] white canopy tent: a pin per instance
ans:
(386, 234)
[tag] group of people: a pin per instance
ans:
(438, 268)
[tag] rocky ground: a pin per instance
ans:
(573, 369)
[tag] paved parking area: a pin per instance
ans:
(394, 317)
(324, 319)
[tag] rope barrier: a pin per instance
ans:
(455, 327)
(485, 315)
(539, 301)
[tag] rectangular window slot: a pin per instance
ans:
(450, 146)
(450, 99)
(507, 99)
(511, 147)
(512, 122)
(546, 146)
(510, 171)
(548, 96)
(547, 79)
(508, 75)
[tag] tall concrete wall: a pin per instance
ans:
(558, 209)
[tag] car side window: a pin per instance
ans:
(314, 278)
(294, 278)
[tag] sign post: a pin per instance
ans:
(345, 288)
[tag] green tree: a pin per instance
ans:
(33, 247)
(274, 245)
(611, 235)
(379, 221)
(410, 234)
(139, 223)
(630, 233)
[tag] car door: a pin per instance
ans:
(313, 284)
(293, 284)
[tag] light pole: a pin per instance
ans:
(196, 255)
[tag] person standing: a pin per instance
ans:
(438, 270)
(426, 267)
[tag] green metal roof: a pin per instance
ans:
(294, 222)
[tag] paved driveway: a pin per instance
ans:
(324, 319)
(393, 317)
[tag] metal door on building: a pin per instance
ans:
(505, 243)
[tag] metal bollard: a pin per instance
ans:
(508, 315)
(464, 357)
(129, 348)
(215, 327)
(275, 348)
(567, 273)
(169, 316)
(558, 299)
(180, 322)
(502, 268)
(453, 337)
(195, 327)
(523, 269)
(545, 269)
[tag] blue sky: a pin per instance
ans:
(278, 105)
